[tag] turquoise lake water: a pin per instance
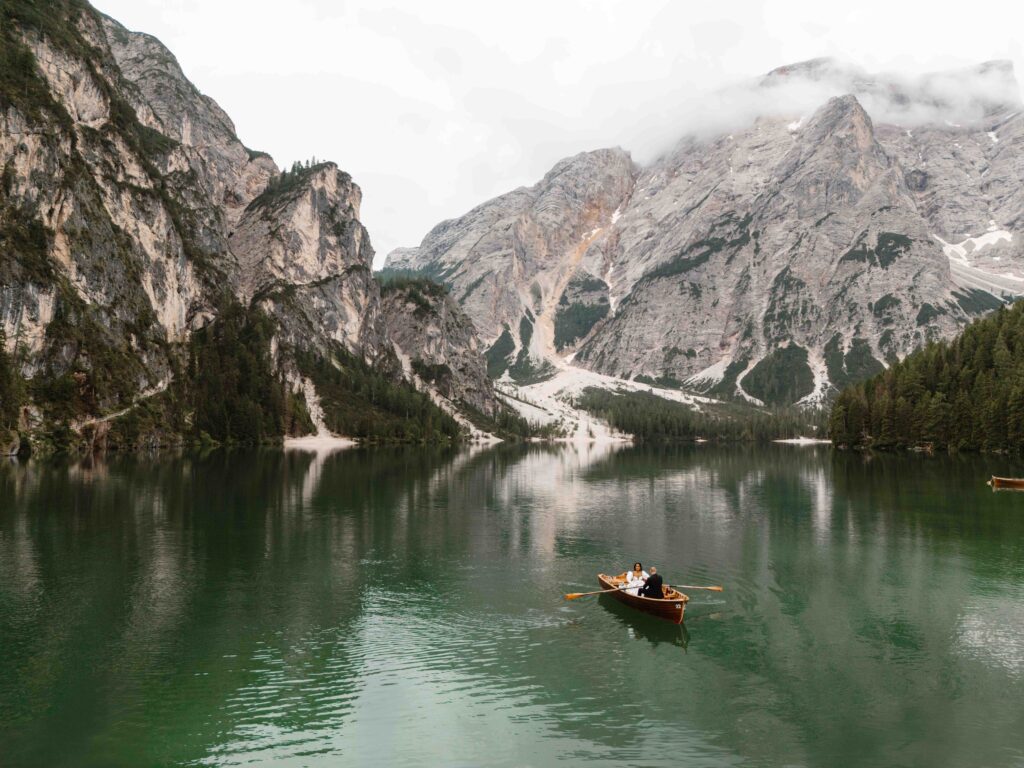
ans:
(402, 607)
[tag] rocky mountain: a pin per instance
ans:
(839, 222)
(160, 279)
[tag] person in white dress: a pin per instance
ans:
(635, 579)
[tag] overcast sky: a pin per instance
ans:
(434, 107)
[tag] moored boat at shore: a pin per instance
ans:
(671, 607)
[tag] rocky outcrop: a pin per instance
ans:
(438, 343)
(304, 255)
(229, 174)
(784, 258)
(106, 252)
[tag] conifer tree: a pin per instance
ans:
(964, 394)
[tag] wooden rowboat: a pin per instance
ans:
(671, 608)
(1006, 482)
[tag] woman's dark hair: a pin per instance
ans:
(638, 565)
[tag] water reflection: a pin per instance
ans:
(641, 627)
(402, 606)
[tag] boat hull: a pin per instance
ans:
(672, 608)
(1007, 482)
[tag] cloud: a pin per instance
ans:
(964, 97)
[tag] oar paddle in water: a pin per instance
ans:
(687, 586)
(575, 595)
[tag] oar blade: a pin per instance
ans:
(573, 595)
(691, 586)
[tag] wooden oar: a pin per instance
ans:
(686, 586)
(575, 595)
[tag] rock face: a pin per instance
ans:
(163, 98)
(131, 216)
(106, 247)
(509, 261)
(305, 257)
(775, 262)
(438, 342)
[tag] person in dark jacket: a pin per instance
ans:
(652, 587)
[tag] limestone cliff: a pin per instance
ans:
(157, 278)
(304, 255)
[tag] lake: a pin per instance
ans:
(402, 607)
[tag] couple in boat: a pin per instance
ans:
(643, 584)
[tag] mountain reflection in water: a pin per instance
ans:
(404, 607)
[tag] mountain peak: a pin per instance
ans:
(595, 158)
(847, 106)
(1003, 66)
(970, 95)
(839, 115)
(811, 68)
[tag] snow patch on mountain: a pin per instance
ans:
(741, 392)
(819, 395)
(551, 401)
(972, 245)
(709, 376)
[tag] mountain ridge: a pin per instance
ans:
(715, 261)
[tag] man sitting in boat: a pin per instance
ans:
(653, 585)
(635, 579)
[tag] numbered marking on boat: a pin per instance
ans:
(679, 605)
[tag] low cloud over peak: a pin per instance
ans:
(965, 96)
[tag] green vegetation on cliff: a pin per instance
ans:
(361, 401)
(650, 418)
(87, 366)
(507, 424)
(236, 394)
(226, 388)
(575, 320)
(889, 246)
(25, 244)
(498, 353)
(21, 86)
(11, 392)
(421, 291)
(730, 235)
(964, 394)
(853, 366)
(291, 180)
(781, 378)
(526, 370)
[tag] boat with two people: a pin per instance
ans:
(670, 606)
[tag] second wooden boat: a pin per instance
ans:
(1007, 482)
(671, 608)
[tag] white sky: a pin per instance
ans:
(436, 106)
